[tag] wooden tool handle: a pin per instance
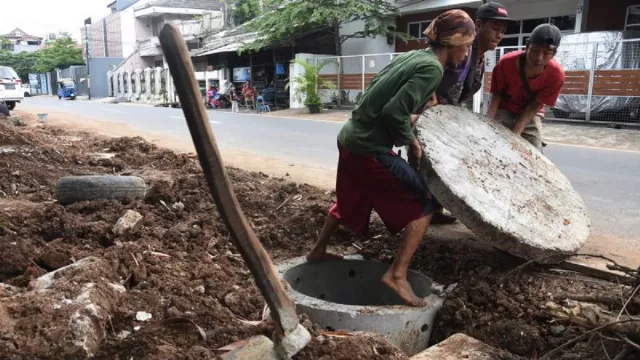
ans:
(256, 258)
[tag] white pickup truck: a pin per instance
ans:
(10, 87)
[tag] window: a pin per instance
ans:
(416, 29)
(633, 18)
(518, 32)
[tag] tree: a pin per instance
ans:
(23, 63)
(246, 10)
(5, 44)
(295, 17)
(60, 53)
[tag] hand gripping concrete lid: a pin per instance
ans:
(501, 187)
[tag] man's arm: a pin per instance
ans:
(493, 105)
(547, 96)
(397, 113)
(527, 115)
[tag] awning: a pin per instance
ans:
(224, 49)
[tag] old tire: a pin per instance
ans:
(11, 105)
(72, 189)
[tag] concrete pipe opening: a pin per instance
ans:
(348, 295)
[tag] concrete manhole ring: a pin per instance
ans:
(348, 295)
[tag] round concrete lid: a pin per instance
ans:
(500, 186)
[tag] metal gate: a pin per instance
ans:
(79, 75)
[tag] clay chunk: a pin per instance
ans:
(63, 315)
(501, 187)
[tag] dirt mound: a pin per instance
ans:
(183, 270)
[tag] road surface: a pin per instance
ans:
(608, 180)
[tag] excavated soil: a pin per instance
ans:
(182, 268)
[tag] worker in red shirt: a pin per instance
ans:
(523, 82)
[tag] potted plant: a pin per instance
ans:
(307, 84)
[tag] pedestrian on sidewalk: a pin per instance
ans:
(371, 176)
(523, 82)
(234, 100)
(460, 83)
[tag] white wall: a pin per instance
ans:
(143, 28)
(26, 48)
(295, 70)
(128, 25)
(363, 46)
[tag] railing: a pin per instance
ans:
(356, 73)
(189, 28)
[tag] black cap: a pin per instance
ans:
(546, 35)
(492, 11)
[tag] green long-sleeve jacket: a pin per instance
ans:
(382, 118)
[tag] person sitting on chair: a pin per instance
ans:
(249, 94)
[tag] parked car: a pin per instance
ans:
(577, 54)
(10, 87)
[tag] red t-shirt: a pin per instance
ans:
(506, 79)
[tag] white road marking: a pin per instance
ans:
(593, 147)
(182, 118)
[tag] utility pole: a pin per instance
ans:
(87, 27)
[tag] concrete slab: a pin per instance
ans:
(460, 346)
(499, 186)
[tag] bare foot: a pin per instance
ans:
(402, 287)
(323, 256)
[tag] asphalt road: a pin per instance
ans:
(608, 180)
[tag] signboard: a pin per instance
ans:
(33, 79)
(241, 74)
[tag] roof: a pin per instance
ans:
(233, 45)
(111, 4)
(222, 42)
(23, 35)
(187, 4)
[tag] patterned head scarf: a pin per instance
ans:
(451, 28)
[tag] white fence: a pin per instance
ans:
(602, 80)
(151, 85)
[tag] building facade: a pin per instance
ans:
(21, 41)
(568, 15)
(131, 30)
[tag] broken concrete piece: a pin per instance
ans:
(73, 303)
(460, 346)
(129, 223)
(143, 316)
(47, 281)
(501, 187)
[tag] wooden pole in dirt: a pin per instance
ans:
(177, 55)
